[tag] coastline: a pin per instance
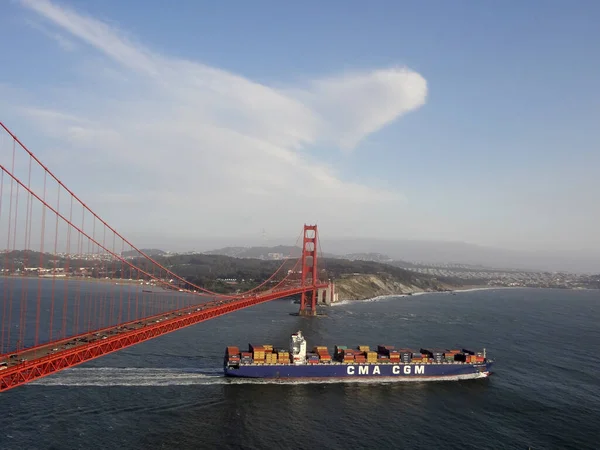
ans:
(419, 293)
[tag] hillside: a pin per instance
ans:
(357, 280)
(364, 286)
(152, 252)
(276, 252)
(377, 257)
(228, 274)
(209, 270)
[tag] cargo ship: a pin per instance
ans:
(385, 364)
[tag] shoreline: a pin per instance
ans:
(453, 291)
(419, 293)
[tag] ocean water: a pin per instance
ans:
(169, 392)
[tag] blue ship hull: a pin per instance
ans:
(386, 371)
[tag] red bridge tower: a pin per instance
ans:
(309, 270)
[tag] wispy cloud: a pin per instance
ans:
(60, 39)
(227, 149)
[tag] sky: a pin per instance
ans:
(456, 121)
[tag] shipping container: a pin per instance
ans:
(436, 361)
(384, 348)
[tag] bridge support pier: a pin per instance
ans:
(308, 309)
(327, 295)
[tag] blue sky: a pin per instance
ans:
(470, 121)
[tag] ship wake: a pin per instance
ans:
(108, 376)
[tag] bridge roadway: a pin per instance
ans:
(37, 362)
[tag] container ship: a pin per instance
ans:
(385, 364)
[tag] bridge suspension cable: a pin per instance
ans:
(85, 207)
(74, 289)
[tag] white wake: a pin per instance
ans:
(107, 376)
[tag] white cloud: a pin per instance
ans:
(202, 150)
(356, 105)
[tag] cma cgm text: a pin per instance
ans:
(375, 370)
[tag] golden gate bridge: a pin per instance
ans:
(69, 293)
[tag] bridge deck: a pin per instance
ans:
(38, 362)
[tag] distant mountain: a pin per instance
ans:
(414, 254)
(461, 253)
(148, 251)
(282, 251)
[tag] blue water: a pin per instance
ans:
(168, 393)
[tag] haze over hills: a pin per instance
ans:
(472, 272)
(152, 252)
(441, 252)
(277, 252)
(457, 273)
(407, 251)
(431, 252)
